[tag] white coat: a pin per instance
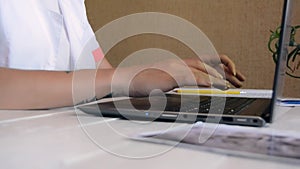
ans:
(46, 35)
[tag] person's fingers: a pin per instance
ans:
(211, 76)
(228, 63)
(240, 76)
(236, 81)
(219, 83)
(206, 80)
(220, 60)
(197, 64)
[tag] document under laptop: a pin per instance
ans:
(215, 109)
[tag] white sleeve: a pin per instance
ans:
(33, 35)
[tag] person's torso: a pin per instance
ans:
(46, 35)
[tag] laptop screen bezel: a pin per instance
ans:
(280, 70)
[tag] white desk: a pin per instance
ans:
(56, 139)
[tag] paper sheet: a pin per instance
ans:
(237, 138)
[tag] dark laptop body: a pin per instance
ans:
(189, 108)
(186, 108)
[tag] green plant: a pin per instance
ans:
(294, 50)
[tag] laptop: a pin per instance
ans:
(192, 108)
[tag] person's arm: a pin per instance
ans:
(22, 89)
(105, 64)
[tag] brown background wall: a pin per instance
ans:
(238, 28)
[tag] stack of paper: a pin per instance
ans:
(233, 138)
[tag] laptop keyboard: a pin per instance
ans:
(215, 105)
(235, 105)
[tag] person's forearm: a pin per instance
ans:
(49, 89)
(34, 89)
(45, 89)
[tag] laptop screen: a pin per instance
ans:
(280, 71)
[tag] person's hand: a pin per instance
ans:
(172, 73)
(220, 66)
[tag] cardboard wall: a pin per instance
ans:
(237, 28)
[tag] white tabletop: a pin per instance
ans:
(65, 138)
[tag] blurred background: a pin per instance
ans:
(237, 28)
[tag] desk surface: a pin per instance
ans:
(65, 138)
